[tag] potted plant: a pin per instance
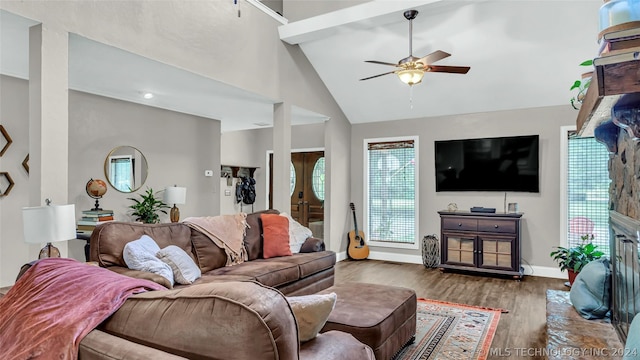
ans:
(582, 86)
(573, 259)
(147, 210)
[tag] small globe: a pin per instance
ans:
(96, 188)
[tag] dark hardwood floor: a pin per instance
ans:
(520, 331)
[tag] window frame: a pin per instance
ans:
(365, 201)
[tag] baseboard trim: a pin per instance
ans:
(544, 271)
(530, 270)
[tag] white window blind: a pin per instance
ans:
(391, 212)
(587, 192)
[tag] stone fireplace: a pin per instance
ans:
(624, 221)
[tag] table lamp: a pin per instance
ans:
(175, 195)
(47, 224)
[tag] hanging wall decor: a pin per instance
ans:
(7, 138)
(5, 178)
(25, 163)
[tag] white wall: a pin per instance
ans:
(541, 220)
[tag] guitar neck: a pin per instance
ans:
(355, 222)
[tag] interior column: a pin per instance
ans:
(48, 120)
(281, 156)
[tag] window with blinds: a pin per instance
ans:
(587, 192)
(391, 191)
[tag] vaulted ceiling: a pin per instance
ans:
(522, 54)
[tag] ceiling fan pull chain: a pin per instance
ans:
(411, 97)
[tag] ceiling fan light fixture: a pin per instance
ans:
(411, 76)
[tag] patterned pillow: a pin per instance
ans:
(141, 255)
(185, 270)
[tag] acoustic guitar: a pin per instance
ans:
(357, 249)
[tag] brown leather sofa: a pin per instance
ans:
(231, 312)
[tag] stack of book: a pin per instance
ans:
(91, 218)
(619, 45)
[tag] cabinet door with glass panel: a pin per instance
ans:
(459, 249)
(496, 252)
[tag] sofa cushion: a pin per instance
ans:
(311, 313)
(108, 239)
(253, 235)
(298, 234)
(185, 270)
(311, 263)
(141, 255)
(275, 236)
(591, 291)
(266, 271)
(209, 255)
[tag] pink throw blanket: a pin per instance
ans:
(56, 303)
(226, 231)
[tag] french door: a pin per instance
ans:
(306, 188)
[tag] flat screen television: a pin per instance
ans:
(488, 164)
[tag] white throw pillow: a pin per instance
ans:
(297, 233)
(185, 270)
(311, 313)
(141, 255)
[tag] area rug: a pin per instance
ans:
(451, 331)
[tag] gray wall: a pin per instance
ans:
(178, 148)
(14, 116)
(541, 220)
(249, 148)
(207, 38)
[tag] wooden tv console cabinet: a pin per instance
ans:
(480, 242)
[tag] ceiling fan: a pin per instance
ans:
(411, 69)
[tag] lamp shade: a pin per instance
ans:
(45, 224)
(175, 195)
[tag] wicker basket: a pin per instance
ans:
(430, 251)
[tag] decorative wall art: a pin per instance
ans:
(7, 138)
(25, 163)
(5, 180)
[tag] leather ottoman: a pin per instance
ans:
(381, 316)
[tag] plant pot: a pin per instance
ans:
(572, 276)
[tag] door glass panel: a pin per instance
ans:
(318, 179)
(292, 179)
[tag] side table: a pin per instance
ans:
(86, 236)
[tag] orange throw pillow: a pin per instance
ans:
(275, 236)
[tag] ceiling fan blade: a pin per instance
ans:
(375, 76)
(380, 62)
(449, 69)
(433, 57)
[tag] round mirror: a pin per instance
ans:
(126, 168)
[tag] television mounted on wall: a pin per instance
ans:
(488, 164)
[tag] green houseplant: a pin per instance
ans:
(573, 259)
(147, 210)
(581, 85)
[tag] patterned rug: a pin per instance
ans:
(451, 331)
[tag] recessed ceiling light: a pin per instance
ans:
(261, 124)
(148, 95)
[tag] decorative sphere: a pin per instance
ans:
(96, 188)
